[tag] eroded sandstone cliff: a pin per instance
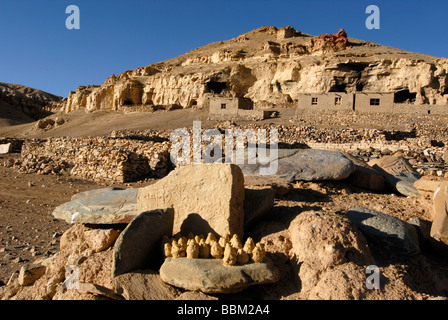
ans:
(271, 66)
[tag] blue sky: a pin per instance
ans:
(37, 50)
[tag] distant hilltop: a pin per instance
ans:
(272, 67)
(20, 104)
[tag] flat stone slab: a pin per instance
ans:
(385, 231)
(303, 164)
(403, 183)
(94, 191)
(211, 276)
(111, 207)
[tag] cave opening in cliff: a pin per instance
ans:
(128, 103)
(338, 87)
(215, 86)
(404, 96)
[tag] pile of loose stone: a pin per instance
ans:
(127, 156)
(95, 158)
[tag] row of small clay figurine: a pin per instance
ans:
(230, 250)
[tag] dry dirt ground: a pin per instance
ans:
(29, 231)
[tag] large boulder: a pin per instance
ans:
(205, 197)
(386, 232)
(321, 242)
(211, 276)
(139, 246)
(302, 164)
(108, 207)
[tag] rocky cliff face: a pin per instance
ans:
(271, 66)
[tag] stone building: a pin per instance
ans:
(231, 108)
(390, 102)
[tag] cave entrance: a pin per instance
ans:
(128, 103)
(404, 96)
(215, 86)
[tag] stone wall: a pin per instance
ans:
(241, 115)
(97, 159)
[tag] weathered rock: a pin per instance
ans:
(404, 183)
(211, 276)
(399, 174)
(101, 208)
(323, 241)
(139, 246)
(392, 165)
(82, 240)
(304, 164)
(427, 185)
(386, 232)
(5, 148)
(206, 198)
(45, 123)
(144, 285)
(258, 202)
(365, 176)
(343, 282)
(439, 229)
(30, 273)
(99, 290)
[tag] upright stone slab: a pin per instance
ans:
(205, 197)
(139, 246)
(5, 148)
(439, 228)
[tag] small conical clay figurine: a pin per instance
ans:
(249, 245)
(216, 250)
(210, 237)
(198, 238)
(167, 250)
(258, 253)
(176, 250)
(192, 250)
(235, 242)
(242, 256)
(190, 236)
(230, 257)
(183, 243)
(224, 240)
(204, 249)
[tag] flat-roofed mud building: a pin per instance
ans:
(390, 102)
